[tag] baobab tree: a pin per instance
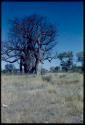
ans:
(31, 39)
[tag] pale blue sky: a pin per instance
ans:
(67, 16)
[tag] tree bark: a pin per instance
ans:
(20, 65)
(25, 68)
(36, 66)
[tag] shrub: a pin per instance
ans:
(47, 78)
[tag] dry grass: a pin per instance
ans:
(51, 98)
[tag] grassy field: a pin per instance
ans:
(51, 98)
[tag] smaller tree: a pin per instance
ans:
(9, 67)
(80, 58)
(57, 68)
(66, 59)
(43, 71)
(52, 69)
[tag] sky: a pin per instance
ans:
(67, 16)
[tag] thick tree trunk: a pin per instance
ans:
(25, 68)
(32, 70)
(20, 65)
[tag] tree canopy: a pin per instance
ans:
(31, 40)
